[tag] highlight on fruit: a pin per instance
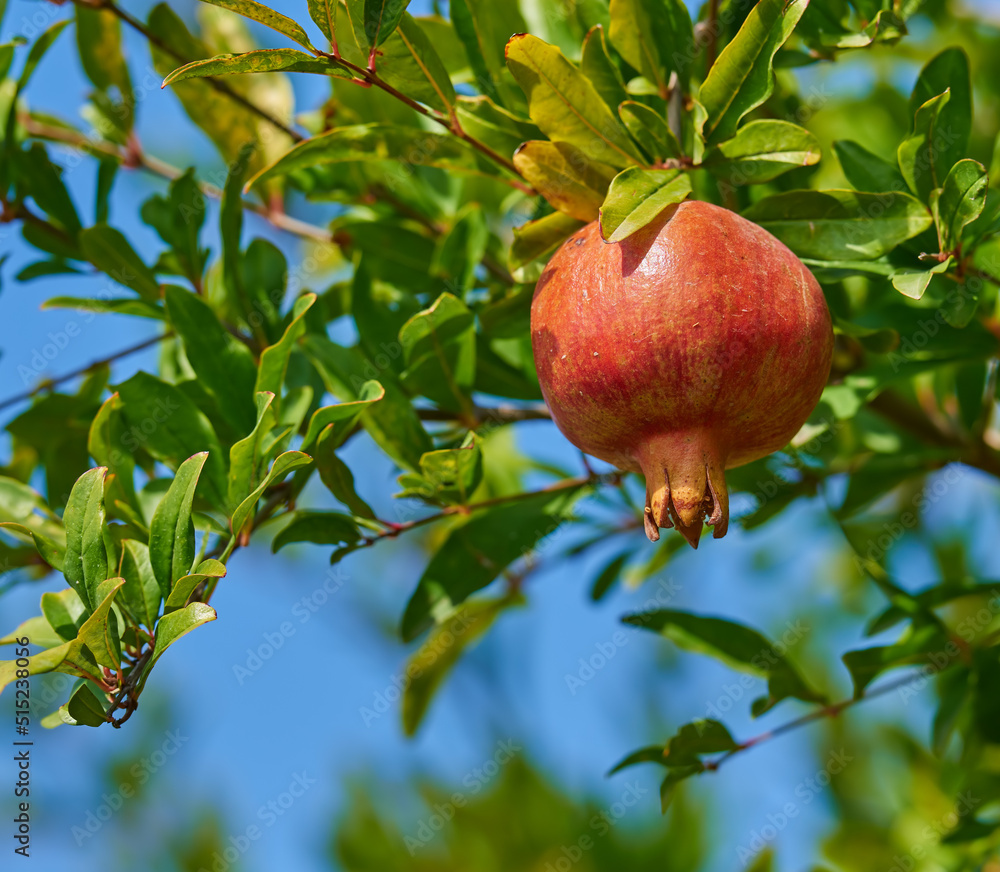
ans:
(698, 344)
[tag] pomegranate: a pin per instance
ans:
(696, 345)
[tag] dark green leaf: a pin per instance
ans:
(920, 155)
(596, 65)
(223, 364)
(319, 528)
(337, 476)
(381, 18)
(43, 181)
(866, 664)
(141, 592)
(840, 225)
(168, 425)
(342, 416)
(274, 359)
(650, 130)
(949, 70)
(479, 548)
(655, 38)
(365, 142)
(85, 708)
(111, 253)
(735, 645)
(608, 576)
(866, 171)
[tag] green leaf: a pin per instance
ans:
(172, 627)
(638, 197)
(141, 592)
(185, 586)
(913, 284)
(741, 78)
(432, 662)
(478, 549)
(283, 464)
(735, 645)
(85, 708)
(71, 658)
(654, 37)
(866, 664)
(565, 176)
(696, 738)
(100, 631)
(265, 60)
(171, 532)
(448, 476)
(64, 611)
(439, 349)
(866, 171)
(324, 15)
(761, 151)
(223, 364)
(99, 42)
(919, 155)
(565, 105)
(342, 417)
(366, 142)
(266, 16)
(231, 227)
(411, 64)
(493, 125)
(114, 306)
(461, 250)
(649, 754)
(608, 576)
(484, 26)
(650, 131)
(177, 219)
(86, 562)
(245, 455)
(168, 425)
(381, 18)
(948, 70)
(111, 253)
(840, 225)
(319, 528)
(104, 440)
(42, 179)
(962, 199)
(38, 630)
(537, 238)
(274, 358)
(337, 476)
(596, 65)
(392, 421)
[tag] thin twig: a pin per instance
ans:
(826, 711)
(48, 384)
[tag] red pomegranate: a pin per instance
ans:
(696, 345)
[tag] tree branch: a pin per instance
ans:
(826, 711)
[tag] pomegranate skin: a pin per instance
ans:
(696, 345)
